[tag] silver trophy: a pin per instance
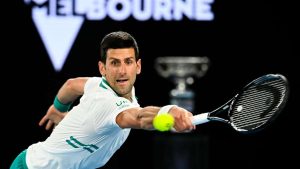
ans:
(182, 71)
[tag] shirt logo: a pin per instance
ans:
(123, 103)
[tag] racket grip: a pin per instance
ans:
(200, 118)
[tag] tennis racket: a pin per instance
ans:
(254, 107)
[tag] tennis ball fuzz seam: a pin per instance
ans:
(163, 122)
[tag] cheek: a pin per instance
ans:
(111, 72)
(132, 71)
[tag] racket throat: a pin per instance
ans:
(218, 119)
(220, 114)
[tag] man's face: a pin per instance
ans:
(120, 70)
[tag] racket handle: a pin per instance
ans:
(200, 118)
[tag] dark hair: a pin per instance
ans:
(116, 40)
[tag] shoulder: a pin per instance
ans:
(91, 83)
(93, 80)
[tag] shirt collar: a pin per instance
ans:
(105, 85)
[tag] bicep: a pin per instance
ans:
(128, 118)
(137, 118)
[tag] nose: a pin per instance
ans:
(122, 69)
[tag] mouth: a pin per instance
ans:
(122, 81)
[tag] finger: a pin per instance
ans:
(187, 122)
(43, 120)
(49, 125)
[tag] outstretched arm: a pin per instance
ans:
(68, 93)
(142, 118)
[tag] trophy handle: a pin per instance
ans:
(182, 67)
(162, 68)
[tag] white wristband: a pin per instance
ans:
(165, 109)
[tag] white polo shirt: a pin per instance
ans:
(88, 136)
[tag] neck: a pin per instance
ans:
(129, 97)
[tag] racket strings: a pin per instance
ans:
(257, 104)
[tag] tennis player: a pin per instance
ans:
(91, 132)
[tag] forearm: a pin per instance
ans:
(142, 118)
(145, 117)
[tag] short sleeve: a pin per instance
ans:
(108, 110)
(92, 84)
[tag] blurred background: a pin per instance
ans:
(48, 42)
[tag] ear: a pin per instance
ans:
(102, 69)
(139, 66)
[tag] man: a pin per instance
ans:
(91, 132)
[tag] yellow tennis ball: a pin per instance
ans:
(163, 122)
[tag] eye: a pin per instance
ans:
(129, 61)
(114, 63)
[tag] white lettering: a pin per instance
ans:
(64, 7)
(203, 10)
(59, 21)
(52, 7)
(96, 10)
(183, 8)
(162, 10)
(81, 6)
(118, 9)
(142, 13)
(39, 2)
